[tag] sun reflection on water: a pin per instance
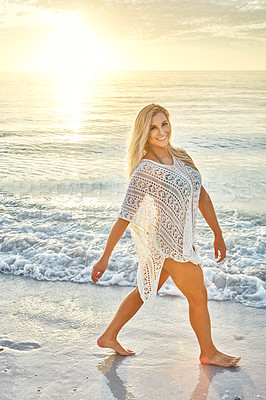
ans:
(71, 93)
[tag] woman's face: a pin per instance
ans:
(159, 131)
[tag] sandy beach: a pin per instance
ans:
(49, 332)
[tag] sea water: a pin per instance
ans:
(63, 165)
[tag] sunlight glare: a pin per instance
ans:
(73, 48)
(70, 95)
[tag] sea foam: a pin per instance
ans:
(57, 245)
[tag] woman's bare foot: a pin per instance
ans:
(109, 343)
(220, 359)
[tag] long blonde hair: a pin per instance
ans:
(137, 142)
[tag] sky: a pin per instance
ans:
(81, 35)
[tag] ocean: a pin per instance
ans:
(63, 165)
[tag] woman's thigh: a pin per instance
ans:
(163, 277)
(187, 276)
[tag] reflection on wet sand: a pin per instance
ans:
(213, 382)
(117, 386)
(210, 382)
(206, 374)
(235, 378)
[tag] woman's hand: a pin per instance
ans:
(219, 245)
(99, 269)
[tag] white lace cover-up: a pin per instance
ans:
(161, 204)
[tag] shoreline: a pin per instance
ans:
(49, 332)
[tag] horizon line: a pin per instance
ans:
(140, 70)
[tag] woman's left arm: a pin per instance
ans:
(207, 210)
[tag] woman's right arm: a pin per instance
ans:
(115, 234)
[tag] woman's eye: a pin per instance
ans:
(165, 123)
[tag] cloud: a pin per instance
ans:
(14, 14)
(149, 20)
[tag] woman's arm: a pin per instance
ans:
(115, 234)
(207, 210)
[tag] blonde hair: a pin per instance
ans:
(137, 142)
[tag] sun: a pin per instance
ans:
(72, 48)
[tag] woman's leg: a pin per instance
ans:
(188, 277)
(127, 309)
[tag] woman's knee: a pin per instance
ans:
(197, 296)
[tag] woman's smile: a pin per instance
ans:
(162, 138)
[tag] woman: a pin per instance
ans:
(161, 205)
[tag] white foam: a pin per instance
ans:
(52, 244)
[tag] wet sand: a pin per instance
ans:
(49, 332)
